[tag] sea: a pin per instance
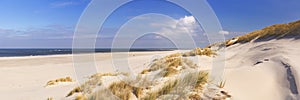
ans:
(39, 52)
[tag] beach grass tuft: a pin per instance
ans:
(124, 91)
(167, 88)
(53, 82)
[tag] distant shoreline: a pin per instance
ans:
(4, 53)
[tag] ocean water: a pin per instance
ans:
(37, 52)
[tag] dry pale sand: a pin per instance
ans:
(263, 70)
(24, 78)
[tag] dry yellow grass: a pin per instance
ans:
(195, 97)
(53, 82)
(221, 84)
(196, 79)
(172, 64)
(94, 80)
(81, 97)
(157, 65)
(75, 90)
(276, 31)
(200, 52)
(167, 88)
(123, 90)
(145, 71)
(173, 60)
(169, 72)
(189, 63)
(50, 98)
(202, 78)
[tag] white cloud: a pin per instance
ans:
(187, 24)
(63, 4)
(187, 20)
(224, 32)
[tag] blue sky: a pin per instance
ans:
(50, 23)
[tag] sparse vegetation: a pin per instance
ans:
(167, 88)
(50, 98)
(165, 63)
(277, 31)
(53, 82)
(81, 97)
(202, 78)
(189, 63)
(124, 91)
(75, 90)
(145, 71)
(169, 71)
(200, 52)
(94, 80)
(195, 97)
(222, 84)
(141, 87)
(173, 62)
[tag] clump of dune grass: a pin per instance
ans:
(75, 90)
(189, 63)
(145, 71)
(191, 82)
(195, 97)
(169, 71)
(158, 64)
(91, 83)
(200, 52)
(81, 97)
(202, 79)
(99, 75)
(170, 66)
(167, 88)
(124, 91)
(276, 31)
(173, 60)
(53, 82)
(102, 94)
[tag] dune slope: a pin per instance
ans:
(264, 65)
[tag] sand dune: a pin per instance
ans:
(259, 70)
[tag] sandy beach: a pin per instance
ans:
(24, 78)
